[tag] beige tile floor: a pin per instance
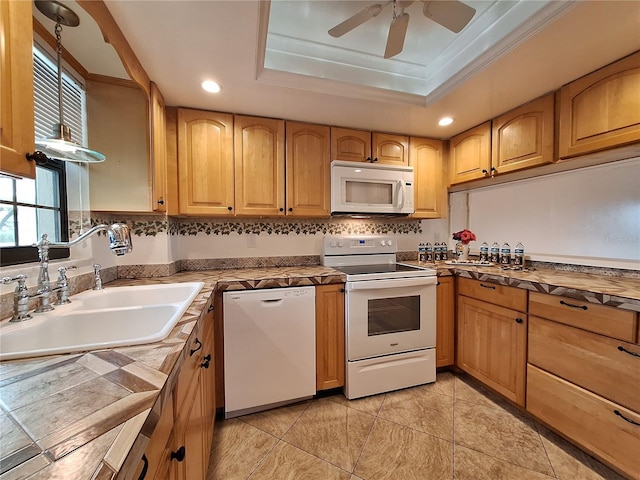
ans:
(452, 429)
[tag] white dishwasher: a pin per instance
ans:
(269, 348)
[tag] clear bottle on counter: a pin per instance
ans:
(429, 257)
(437, 252)
(444, 253)
(505, 254)
(422, 253)
(518, 255)
(484, 252)
(495, 253)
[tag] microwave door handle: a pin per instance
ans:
(401, 189)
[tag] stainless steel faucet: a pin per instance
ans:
(119, 243)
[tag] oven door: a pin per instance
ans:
(390, 316)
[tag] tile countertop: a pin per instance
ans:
(84, 416)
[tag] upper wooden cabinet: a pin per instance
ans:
(363, 146)
(17, 131)
(390, 149)
(308, 167)
(205, 162)
(430, 190)
(470, 154)
(259, 164)
(158, 150)
(350, 145)
(601, 110)
(524, 136)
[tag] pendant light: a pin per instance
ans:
(60, 146)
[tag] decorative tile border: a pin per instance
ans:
(152, 225)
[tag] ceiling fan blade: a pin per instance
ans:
(451, 14)
(358, 19)
(397, 33)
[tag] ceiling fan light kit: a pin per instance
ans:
(451, 14)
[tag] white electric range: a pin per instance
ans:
(390, 315)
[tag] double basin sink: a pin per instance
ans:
(97, 319)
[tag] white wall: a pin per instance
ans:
(586, 217)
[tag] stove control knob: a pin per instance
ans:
(383, 243)
(333, 244)
(390, 242)
(341, 244)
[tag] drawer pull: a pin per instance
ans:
(199, 346)
(617, 412)
(145, 467)
(583, 307)
(492, 287)
(622, 349)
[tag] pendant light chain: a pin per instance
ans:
(58, 32)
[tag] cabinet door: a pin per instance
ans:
(259, 162)
(601, 110)
(430, 191)
(308, 170)
(492, 346)
(17, 131)
(445, 321)
(158, 151)
(208, 386)
(470, 154)
(205, 162)
(350, 145)
(523, 137)
(390, 149)
(330, 361)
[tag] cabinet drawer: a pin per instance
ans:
(601, 364)
(596, 424)
(190, 368)
(609, 321)
(509, 297)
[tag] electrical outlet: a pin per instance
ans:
(251, 240)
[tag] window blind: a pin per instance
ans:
(45, 80)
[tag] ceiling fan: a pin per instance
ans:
(451, 14)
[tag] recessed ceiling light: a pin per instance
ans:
(444, 121)
(211, 86)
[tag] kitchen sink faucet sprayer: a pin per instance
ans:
(119, 243)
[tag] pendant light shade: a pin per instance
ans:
(60, 146)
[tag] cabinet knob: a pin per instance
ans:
(161, 202)
(519, 320)
(484, 171)
(198, 347)
(375, 159)
(369, 159)
(290, 209)
(281, 209)
(178, 454)
(342, 290)
(229, 208)
(38, 157)
(205, 364)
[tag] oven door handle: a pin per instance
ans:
(391, 283)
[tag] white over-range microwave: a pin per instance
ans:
(368, 188)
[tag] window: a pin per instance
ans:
(29, 208)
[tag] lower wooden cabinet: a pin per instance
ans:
(445, 321)
(180, 445)
(492, 340)
(330, 361)
(601, 427)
